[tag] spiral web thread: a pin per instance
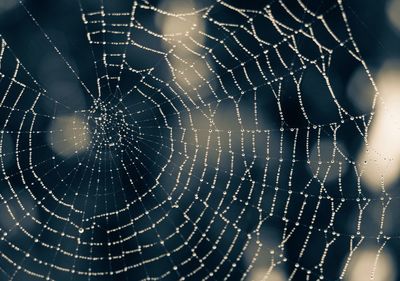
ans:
(175, 171)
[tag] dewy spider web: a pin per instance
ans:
(193, 158)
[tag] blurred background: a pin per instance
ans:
(184, 139)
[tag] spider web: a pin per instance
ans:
(201, 153)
